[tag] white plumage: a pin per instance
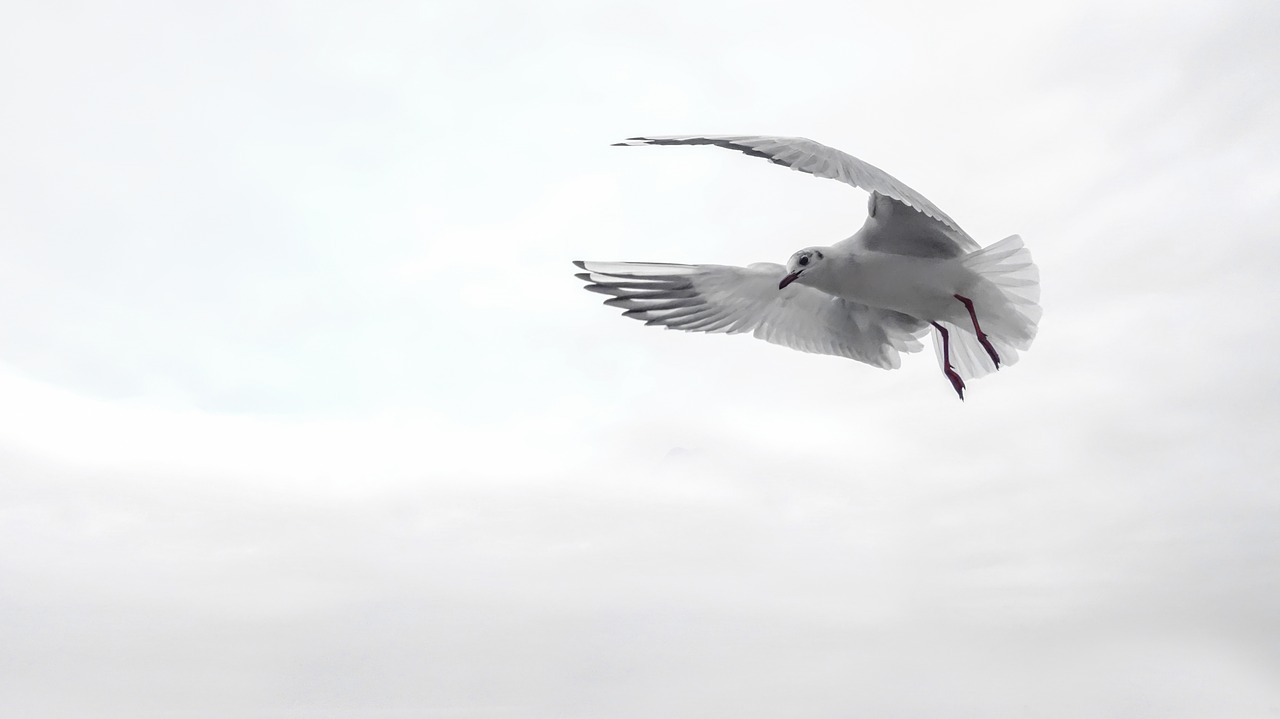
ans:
(868, 297)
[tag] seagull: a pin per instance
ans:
(869, 297)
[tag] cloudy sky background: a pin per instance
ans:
(302, 412)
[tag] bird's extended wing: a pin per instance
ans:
(719, 298)
(814, 158)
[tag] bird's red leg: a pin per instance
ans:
(947, 369)
(982, 337)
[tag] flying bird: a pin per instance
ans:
(869, 297)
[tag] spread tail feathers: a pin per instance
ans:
(1007, 299)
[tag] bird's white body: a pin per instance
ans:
(917, 286)
(868, 297)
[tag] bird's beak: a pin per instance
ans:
(788, 279)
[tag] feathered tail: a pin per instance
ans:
(1006, 300)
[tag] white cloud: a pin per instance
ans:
(304, 413)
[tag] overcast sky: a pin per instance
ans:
(303, 413)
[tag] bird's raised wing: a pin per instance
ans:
(814, 158)
(719, 298)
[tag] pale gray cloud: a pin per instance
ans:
(305, 415)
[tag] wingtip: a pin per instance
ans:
(631, 142)
(580, 264)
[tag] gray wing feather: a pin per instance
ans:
(805, 155)
(719, 298)
(906, 223)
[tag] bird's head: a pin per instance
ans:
(804, 262)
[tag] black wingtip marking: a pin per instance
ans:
(726, 144)
(580, 264)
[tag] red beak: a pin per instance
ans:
(788, 280)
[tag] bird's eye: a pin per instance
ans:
(804, 260)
